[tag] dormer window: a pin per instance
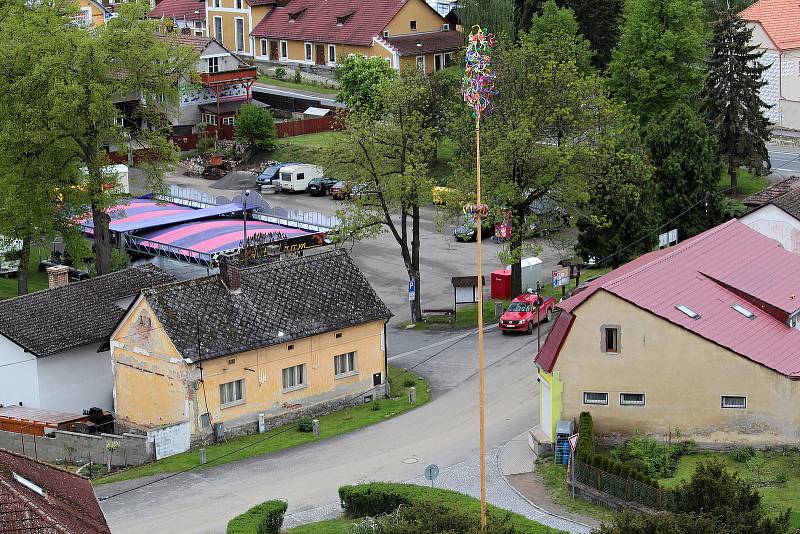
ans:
(385, 34)
(341, 19)
(296, 15)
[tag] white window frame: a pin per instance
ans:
(214, 28)
(236, 33)
(346, 364)
(421, 64)
(331, 57)
(385, 34)
(212, 64)
(630, 402)
(595, 403)
(730, 406)
(228, 121)
(440, 57)
(232, 387)
(283, 50)
(308, 49)
(237, 4)
(296, 374)
(208, 118)
(216, 3)
(264, 47)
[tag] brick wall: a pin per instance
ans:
(133, 449)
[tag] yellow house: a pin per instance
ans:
(699, 340)
(294, 337)
(230, 22)
(91, 13)
(320, 34)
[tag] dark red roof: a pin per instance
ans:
(548, 354)
(709, 273)
(432, 42)
(779, 19)
(179, 9)
(317, 21)
(68, 506)
(196, 42)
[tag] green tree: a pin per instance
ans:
(359, 79)
(388, 157)
(255, 127)
(496, 15)
(524, 11)
(659, 59)
(615, 221)
(687, 170)
(665, 523)
(731, 98)
(599, 22)
(557, 33)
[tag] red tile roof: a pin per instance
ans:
(432, 42)
(779, 18)
(709, 273)
(196, 42)
(548, 354)
(68, 506)
(178, 9)
(317, 22)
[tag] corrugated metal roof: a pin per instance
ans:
(705, 273)
(548, 354)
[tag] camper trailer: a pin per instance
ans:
(297, 177)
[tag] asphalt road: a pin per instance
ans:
(784, 161)
(444, 432)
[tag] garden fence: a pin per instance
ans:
(626, 489)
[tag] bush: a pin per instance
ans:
(265, 518)
(781, 478)
(409, 382)
(280, 73)
(742, 454)
(297, 78)
(656, 459)
(305, 424)
(429, 518)
(255, 127)
(585, 448)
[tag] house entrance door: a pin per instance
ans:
(273, 50)
(320, 58)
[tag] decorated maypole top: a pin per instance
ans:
(477, 85)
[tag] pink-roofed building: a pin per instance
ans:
(187, 15)
(776, 30)
(700, 339)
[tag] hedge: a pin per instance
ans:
(264, 518)
(584, 450)
(376, 498)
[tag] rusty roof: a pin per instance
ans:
(710, 273)
(756, 200)
(548, 354)
(426, 42)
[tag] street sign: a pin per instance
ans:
(561, 277)
(668, 238)
(573, 441)
(431, 472)
(412, 290)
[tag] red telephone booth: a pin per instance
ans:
(501, 284)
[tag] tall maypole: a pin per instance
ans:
(478, 89)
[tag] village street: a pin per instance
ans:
(444, 432)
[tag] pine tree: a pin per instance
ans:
(599, 21)
(730, 98)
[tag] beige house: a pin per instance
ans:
(698, 340)
(299, 336)
(776, 31)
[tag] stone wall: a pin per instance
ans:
(71, 446)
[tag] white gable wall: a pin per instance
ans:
(776, 224)
(75, 380)
(782, 91)
(19, 380)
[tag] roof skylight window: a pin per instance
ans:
(744, 311)
(688, 311)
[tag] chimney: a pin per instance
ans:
(230, 272)
(57, 276)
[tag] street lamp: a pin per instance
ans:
(244, 215)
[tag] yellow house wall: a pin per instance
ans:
(427, 19)
(154, 386)
(98, 18)
(682, 375)
(229, 17)
(297, 54)
(411, 61)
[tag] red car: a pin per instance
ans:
(521, 313)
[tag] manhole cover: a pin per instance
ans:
(410, 460)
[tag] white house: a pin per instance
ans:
(54, 343)
(779, 219)
(776, 30)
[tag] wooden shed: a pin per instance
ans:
(25, 420)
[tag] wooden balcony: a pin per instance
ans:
(247, 74)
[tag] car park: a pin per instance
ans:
(522, 314)
(296, 177)
(270, 174)
(320, 186)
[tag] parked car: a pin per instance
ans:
(321, 186)
(550, 217)
(341, 190)
(270, 174)
(521, 314)
(297, 177)
(466, 231)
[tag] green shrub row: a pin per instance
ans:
(264, 518)
(584, 450)
(615, 467)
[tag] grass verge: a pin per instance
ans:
(777, 496)
(303, 86)
(36, 279)
(554, 477)
(332, 526)
(330, 425)
(747, 184)
(308, 148)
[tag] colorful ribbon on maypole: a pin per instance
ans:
(478, 88)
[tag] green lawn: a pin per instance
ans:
(777, 496)
(304, 86)
(308, 148)
(286, 437)
(748, 183)
(332, 526)
(554, 477)
(36, 280)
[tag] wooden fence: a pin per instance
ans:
(306, 126)
(625, 489)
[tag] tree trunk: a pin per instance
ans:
(24, 265)
(416, 310)
(732, 172)
(102, 240)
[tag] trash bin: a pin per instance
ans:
(501, 284)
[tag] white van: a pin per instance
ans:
(297, 177)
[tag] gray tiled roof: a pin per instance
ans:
(789, 202)
(54, 320)
(278, 302)
(756, 200)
